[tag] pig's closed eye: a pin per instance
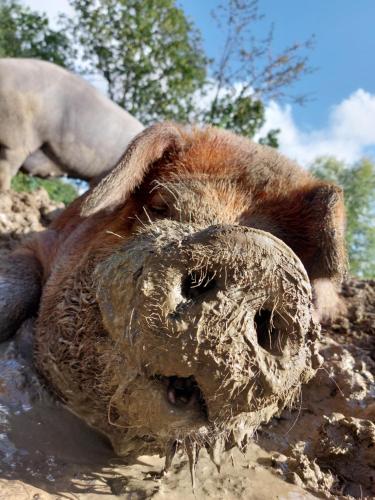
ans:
(159, 210)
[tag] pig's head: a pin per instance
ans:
(179, 307)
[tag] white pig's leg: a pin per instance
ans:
(10, 162)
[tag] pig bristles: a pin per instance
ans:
(140, 221)
(148, 216)
(215, 443)
(115, 234)
(298, 413)
(158, 185)
(331, 377)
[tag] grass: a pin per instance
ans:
(57, 189)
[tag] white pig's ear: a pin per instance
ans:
(147, 147)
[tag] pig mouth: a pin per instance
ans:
(183, 393)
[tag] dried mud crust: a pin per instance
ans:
(322, 448)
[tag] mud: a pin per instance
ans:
(323, 447)
(22, 215)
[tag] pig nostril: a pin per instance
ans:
(269, 337)
(195, 285)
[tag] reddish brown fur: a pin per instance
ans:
(260, 188)
(292, 204)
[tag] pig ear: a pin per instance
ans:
(148, 147)
(326, 263)
(325, 232)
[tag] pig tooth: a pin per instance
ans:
(171, 396)
(170, 453)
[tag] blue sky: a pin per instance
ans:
(340, 119)
(344, 51)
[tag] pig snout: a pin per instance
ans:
(218, 322)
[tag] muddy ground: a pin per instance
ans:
(322, 448)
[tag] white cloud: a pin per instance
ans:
(350, 130)
(50, 7)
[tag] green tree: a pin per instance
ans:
(26, 33)
(152, 60)
(242, 114)
(247, 72)
(148, 52)
(358, 182)
(151, 57)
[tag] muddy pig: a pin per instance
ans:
(178, 299)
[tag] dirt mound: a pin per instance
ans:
(324, 447)
(22, 214)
